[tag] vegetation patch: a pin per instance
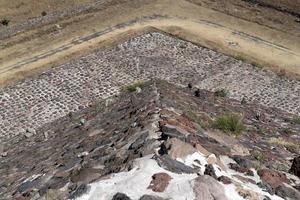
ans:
(222, 93)
(296, 119)
(194, 117)
(134, 85)
(230, 123)
(258, 155)
(283, 143)
(287, 131)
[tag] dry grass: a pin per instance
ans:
(283, 143)
(134, 85)
(230, 123)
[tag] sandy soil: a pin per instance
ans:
(18, 11)
(265, 43)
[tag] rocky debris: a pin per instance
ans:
(140, 135)
(53, 195)
(29, 132)
(245, 179)
(207, 188)
(241, 169)
(295, 168)
(120, 196)
(288, 192)
(225, 180)
(179, 149)
(272, 177)
(159, 182)
(150, 197)
(211, 159)
(165, 161)
(243, 161)
(249, 195)
(81, 189)
(3, 152)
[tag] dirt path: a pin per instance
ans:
(249, 41)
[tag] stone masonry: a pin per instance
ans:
(28, 104)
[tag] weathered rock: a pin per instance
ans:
(86, 174)
(247, 194)
(240, 169)
(149, 147)
(266, 187)
(179, 149)
(211, 159)
(28, 185)
(273, 178)
(165, 161)
(150, 197)
(242, 161)
(288, 192)
(207, 188)
(139, 142)
(53, 195)
(202, 150)
(159, 182)
(120, 196)
(225, 180)
(295, 168)
(80, 190)
(245, 179)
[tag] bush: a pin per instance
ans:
(230, 124)
(297, 119)
(133, 86)
(222, 93)
(4, 22)
(44, 13)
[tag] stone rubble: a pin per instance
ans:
(106, 157)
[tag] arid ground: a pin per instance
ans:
(256, 33)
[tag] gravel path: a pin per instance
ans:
(29, 104)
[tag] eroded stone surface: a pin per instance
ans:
(93, 144)
(35, 101)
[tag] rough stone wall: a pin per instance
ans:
(33, 102)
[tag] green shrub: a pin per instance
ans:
(222, 93)
(287, 131)
(134, 85)
(230, 123)
(297, 119)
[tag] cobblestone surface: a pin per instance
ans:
(67, 88)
